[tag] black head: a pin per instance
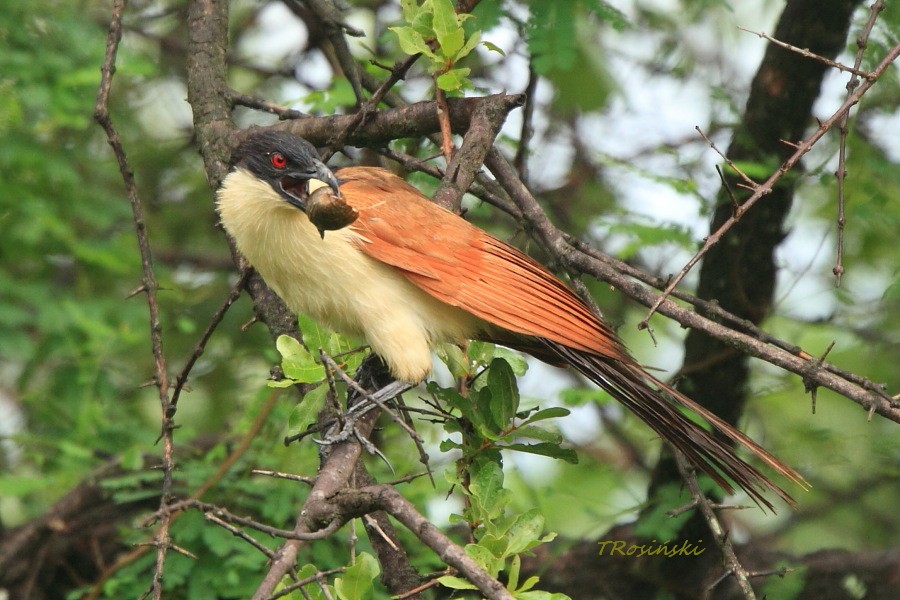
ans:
(284, 161)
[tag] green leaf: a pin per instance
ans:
(297, 362)
(281, 383)
(357, 580)
(465, 406)
(549, 413)
(546, 449)
(306, 412)
(534, 433)
(444, 18)
(608, 13)
(316, 337)
(470, 45)
(494, 542)
(411, 9)
(454, 79)
(512, 581)
(504, 392)
(422, 24)
(753, 169)
(493, 48)
(525, 532)
(412, 42)
(515, 359)
(452, 356)
(529, 583)
(540, 595)
(451, 43)
(551, 35)
(456, 583)
(487, 15)
(482, 353)
(486, 491)
(132, 459)
(486, 559)
(487, 481)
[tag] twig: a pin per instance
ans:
(201, 343)
(327, 13)
(766, 187)
(383, 497)
(705, 307)
(521, 160)
(212, 518)
(750, 183)
(149, 285)
(720, 535)
(300, 583)
(862, 42)
(417, 590)
(227, 516)
(805, 52)
(269, 107)
(280, 475)
(443, 114)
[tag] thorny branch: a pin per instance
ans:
(766, 187)
(730, 560)
(149, 285)
(384, 497)
(862, 42)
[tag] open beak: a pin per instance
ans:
(298, 185)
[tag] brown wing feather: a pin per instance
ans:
(462, 265)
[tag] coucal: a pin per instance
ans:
(409, 275)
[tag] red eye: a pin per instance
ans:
(278, 160)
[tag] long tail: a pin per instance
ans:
(640, 393)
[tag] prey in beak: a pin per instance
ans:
(297, 186)
(321, 201)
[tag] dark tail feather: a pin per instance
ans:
(634, 387)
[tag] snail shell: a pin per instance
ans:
(328, 211)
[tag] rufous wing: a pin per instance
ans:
(458, 263)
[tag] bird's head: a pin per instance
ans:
(286, 162)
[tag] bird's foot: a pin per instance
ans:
(367, 403)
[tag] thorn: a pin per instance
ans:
(181, 550)
(247, 325)
(136, 291)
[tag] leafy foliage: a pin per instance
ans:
(435, 30)
(74, 351)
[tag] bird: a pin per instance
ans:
(409, 275)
